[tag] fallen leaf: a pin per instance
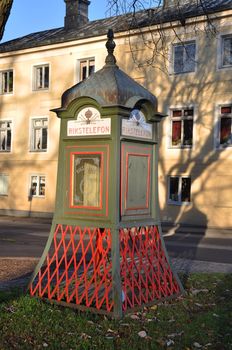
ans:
(134, 317)
(154, 307)
(142, 334)
(45, 345)
(197, 345)
(169, 342)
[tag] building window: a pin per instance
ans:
(184, 57)
(182, 127)
(37, 186)
(5, 136)
(179, 189)
(6, 81)
(4, 180)
(226, 53)
(39, 134)
(87, 67)
(41, 77)
(225, 126)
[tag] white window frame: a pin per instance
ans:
(219, 116)
(221, 52)
(179, 202)
(8, 92)
(36, 86)
(32, 133)
(79, 70)
(181, 118)
(2, 192)
(5, 129)
(38, 181)
(183, 44)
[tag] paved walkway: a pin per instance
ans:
(180, 265)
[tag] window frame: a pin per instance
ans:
(5, 194)
(180, 180)
(220, 116)
(79, 69)
(183, 44)
(181, 118)
(37, 195)
(32, 134)
(35, 84)
(8, 92)
(11, 129)
(221, 59)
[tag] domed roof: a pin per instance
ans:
(109, 86)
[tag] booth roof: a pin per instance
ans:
(118, 24)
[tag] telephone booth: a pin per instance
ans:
(105, 251)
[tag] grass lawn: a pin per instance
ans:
(201, 319)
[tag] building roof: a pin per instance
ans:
(118, 23)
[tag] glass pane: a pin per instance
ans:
(185, 189)
(178, 59)
(176, 133)
(3, 184)
(226, 110)
(44, 138)
(8, 140)
(188, 112)
(177, 113)
(2, 140)
(227, 51)
(84, 73)
(37, 139)
(42, 186)
(188, 132)
(174, 188)
(39, 78)
(33, 185)
(189, 61)
(91, 67)
(10, 81)
(225, 131)
(4, 82)
(87, 182)
(46, 77)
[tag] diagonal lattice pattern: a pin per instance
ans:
(146, 275)
(77, 268)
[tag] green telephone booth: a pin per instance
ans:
(105, 251)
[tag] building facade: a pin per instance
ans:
(191, 77)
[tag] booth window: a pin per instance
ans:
(39, 134)
(5, 136)
(6, 81)
(37, 186)
(182, 127)
(41, 77)
(87, 67)
(226, 51)
(184, 57)
(225, 126)
(4, 181)
(87, 186)
(179, 189)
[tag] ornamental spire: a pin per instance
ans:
(110, 45)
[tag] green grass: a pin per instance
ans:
(201, 319)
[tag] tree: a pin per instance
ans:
(5, 8)
(139, 14)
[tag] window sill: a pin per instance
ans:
(182, 73)
(38, 151)
(179, 203)
(180, 147)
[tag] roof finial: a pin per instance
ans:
(110, 45)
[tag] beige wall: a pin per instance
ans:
(210, 168)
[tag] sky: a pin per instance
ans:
(29, 16)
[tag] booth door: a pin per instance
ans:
(136, 175)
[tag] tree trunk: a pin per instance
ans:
(5, 7)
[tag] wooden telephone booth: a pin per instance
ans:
(105, 252)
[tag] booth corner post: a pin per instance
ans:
(105, 252)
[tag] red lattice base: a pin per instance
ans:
(145, 272)
(78, 268)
